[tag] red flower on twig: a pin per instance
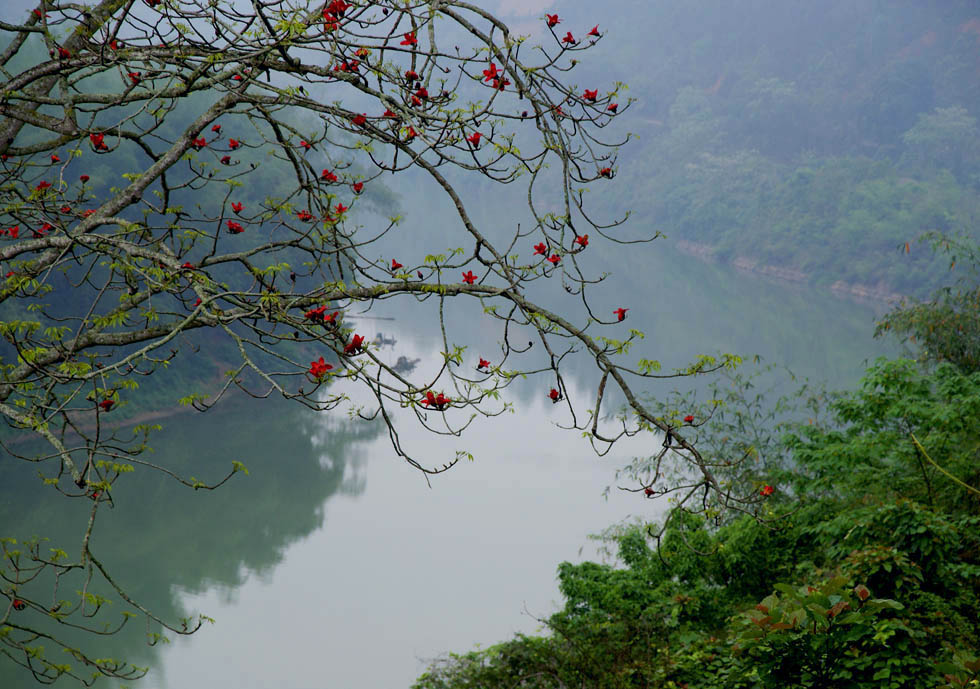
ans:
(226, 160)
(612, 107)
(582, 240)
(553, 20)
(469, 278)
(540, 249)
(591, 95)
(216, 129)
(107, 404)
(200, 143)
(606, 172)
(594, 31)
(484, 364)
(569, 38)
(355, 346)
(434, 401)
(409, 39)
(620, 314)
(328, 176)
(474, 139)
(358, 187)
(554, 396)
(17, 602)
(395, 265)
(237, 207)
(766, 491)
(554, 259)
(359, 120)
(319, 368)
(689, 418)
(234, 143)
(234, 227)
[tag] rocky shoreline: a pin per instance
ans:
(879, 294)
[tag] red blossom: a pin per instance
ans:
(86, 213)
(319, 368)
(316, 315)
(648, 491)
(411, 133)
(422, 93)
(612, 107)
(411, 75)
(42, 185)
(766, 491)
(474, 139)
(234, 143)
(63, 53)
(553, 20)
(237, 207)
(554, 395)
(569, 38)
(216, 129)
(591, 95)
(226, 160)
(17, 603)
(434, 401)
(66, 209)
(484, 364)
(620, 314)
(306, 145)
(391, 114)
(541, 249)
(469, 278)
(582, 240)
(594, 31)
(359, 120)
(409, 39)
(358, 187)
(395, 265)
(328, 176)
(55, 159)
(340, 209)
(490, 74)
(234, 227)
(606, 172)
(98, 141)
(554, 259)
(200, 143)
(304, 215)
(135, 77)
(355, 346)
(84, 178)
(689, 418)
(13, 231)
(107, 404)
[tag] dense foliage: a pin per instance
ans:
(861, 570)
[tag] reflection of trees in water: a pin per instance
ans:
(161, 539)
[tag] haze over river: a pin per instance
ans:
(333, 564)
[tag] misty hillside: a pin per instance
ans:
(816, 138)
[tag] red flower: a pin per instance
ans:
(766, 491)
(304, 215)
(84, 178)
(501, 84)
(135, 77)
(226, 160)
(340, 209)
(391, 114)
(612, 107)
(188, 264)
(64, 54)
(620, 314)
(17, 602)
(435, 401)
(338, 7)
(648, 491)
(87, 213)
(361, 52)
(234, 143)
(591, 95)
(359, 120)
(55, 159)
(66, 209)
(474, 139)
(411, 133)
(554, 259)
(328, 176)
(316, 314)
(216, 129)
(319, 368)
(689, 418)
(606, 172)
(234, 227)
(42, 185)
(200, 143)
(582, 241)
(552, 20)
(237, 207)
(395, 265)
(107, 404)
(409, 39)
(554, 396)
(98, 141)
(197, 303)
(411, 75)
(358, 187)
(355, 346)
(116, 45)
(483, 364)
(422, 93)
(306, 145)
(594, 31)
(490, 74)
(569, 38)
(469, 278)
(540, 249)
(14, 231)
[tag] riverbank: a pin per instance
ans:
(877, 294)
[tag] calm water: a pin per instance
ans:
(334, 565)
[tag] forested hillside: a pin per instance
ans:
(818, 138)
